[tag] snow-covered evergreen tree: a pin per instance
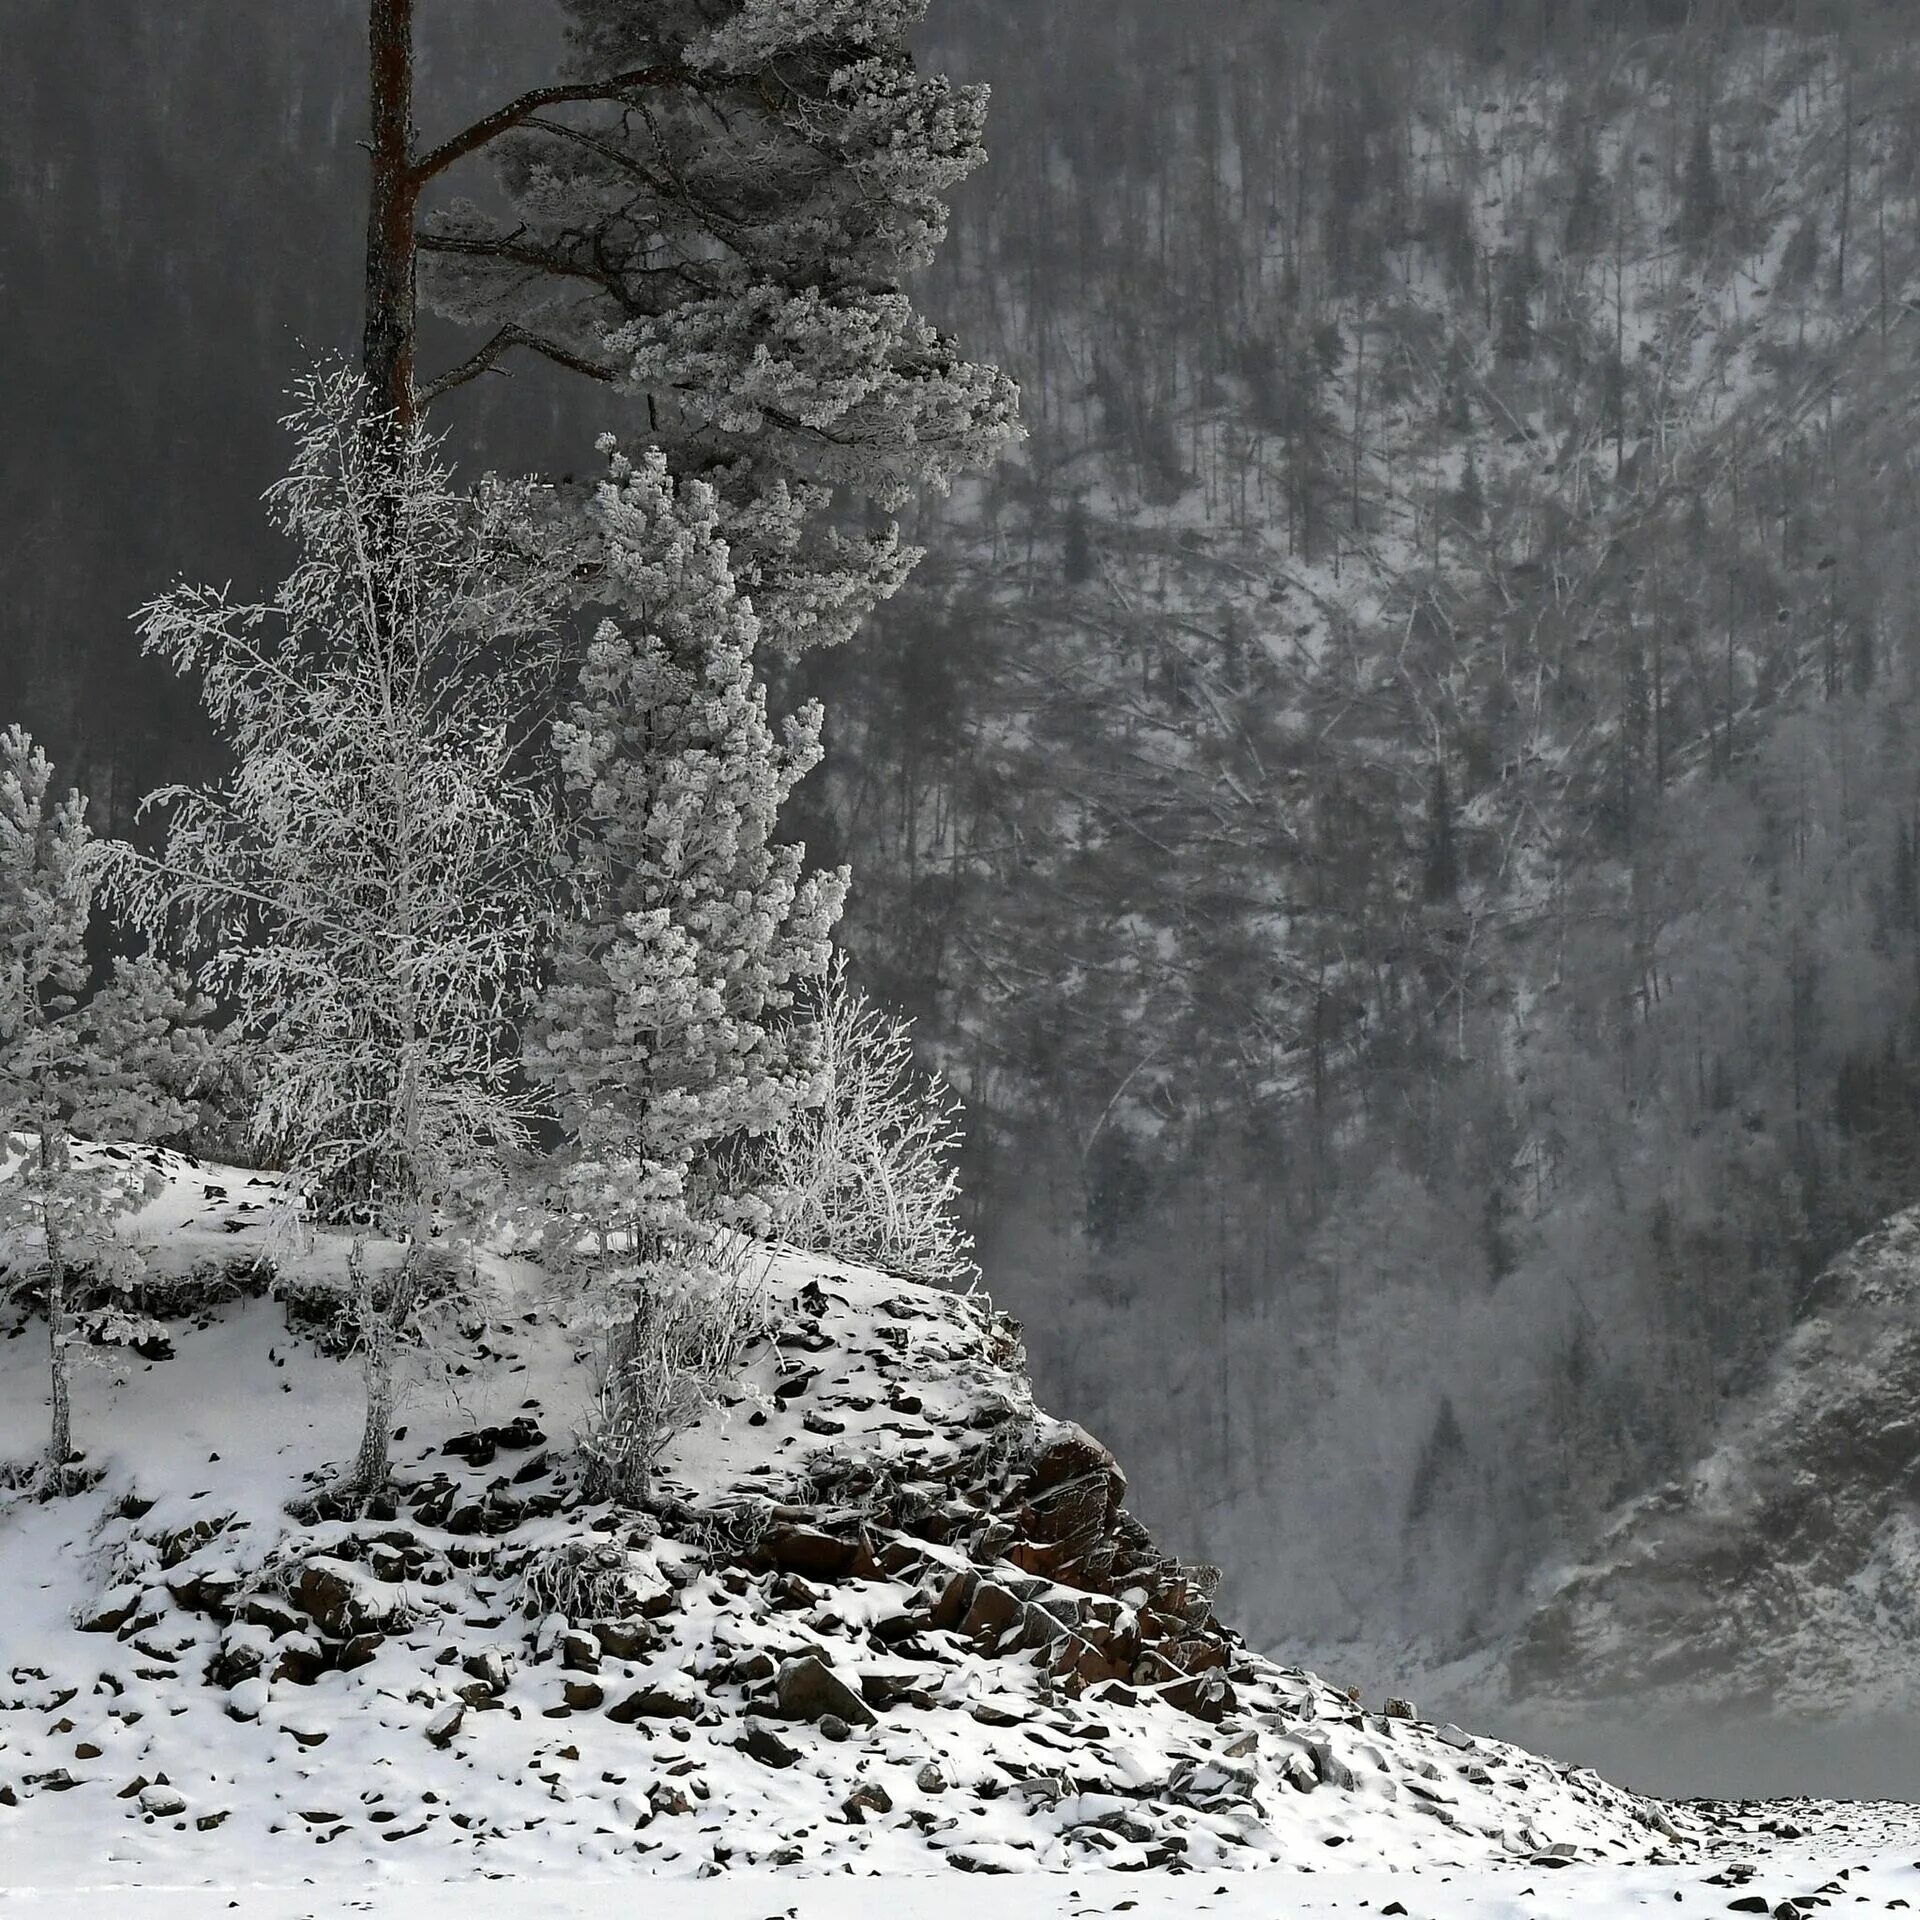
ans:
(660, 1031)
(76, 1060)
(716, 212)
(373, 884)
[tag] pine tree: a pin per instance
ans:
(1700, 199)
(661, 1032)
(713, 210)
(77, 1062)
(1519, 275)
(1585, 215)
(1440, 868)
(1470, 498)
(373, 884)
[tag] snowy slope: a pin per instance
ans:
(1861, 1862)
(828, 1647)
(1782, 1575)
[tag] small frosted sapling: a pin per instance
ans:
(80, 1062)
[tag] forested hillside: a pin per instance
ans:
(1399, 806)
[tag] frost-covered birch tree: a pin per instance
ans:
(372, 885)
(77, 1061)
(660, 1031)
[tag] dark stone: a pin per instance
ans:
(112, 1615)
(763, 1744)
(993, 1611)
(654, 1703)
(302, 1660)
(476, 1449)
(489, 1669)
(868, 1797)
(808, 1552)
(955, 1598)
(626, 1639)
(1208, 1696)
(883, 1690)
(238, 1664)
(335, 1603)
(809, 1689)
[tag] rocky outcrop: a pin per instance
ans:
(1784, 1573)
(882, 1612)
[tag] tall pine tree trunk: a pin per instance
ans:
(60, 1438)
(387, 345)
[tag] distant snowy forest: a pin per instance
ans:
(1397, 806)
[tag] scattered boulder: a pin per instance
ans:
(760, 1742)
(342, 1601)
(580, 1651)
(868, 1797)
(808, 1552)
(658, 1700)
(627, 1639)
(809, 1689)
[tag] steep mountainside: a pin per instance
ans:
(1783, 1574)
(1399, 808)
(882, 1613)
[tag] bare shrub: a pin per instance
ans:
(868, 1172)
(578, 1579)
(677, 1349)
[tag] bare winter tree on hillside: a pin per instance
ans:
(374, 881)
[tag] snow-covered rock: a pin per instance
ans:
(884, 1613)
(1783, 1576)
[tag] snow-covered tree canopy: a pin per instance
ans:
(659, 1032)
(716, 215)
(109, 1060)
(371, 886)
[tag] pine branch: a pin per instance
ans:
(516, 113)
(503, 342)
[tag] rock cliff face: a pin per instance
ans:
(1784, 1575)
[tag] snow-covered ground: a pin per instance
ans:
(205, 1706)
(1854, 1858)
